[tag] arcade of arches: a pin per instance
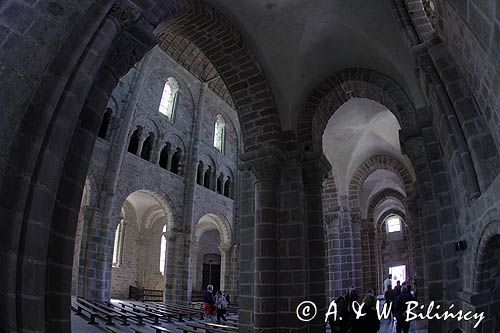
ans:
(279, 150)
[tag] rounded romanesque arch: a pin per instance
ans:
(343, 86)
(487, 244)
(486, 278)
(214, 221)
(382, 196)
(373, 164)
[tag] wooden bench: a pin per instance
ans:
(208, 329)
(223, 327)
(163, 310)
(106, 315)
(145, 311)
(136, 315)
(112, 329)
(137, 329)
(186, 329)
(123, 316)
(92, 314)
(189, 310)
(160, 329)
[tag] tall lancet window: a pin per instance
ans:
(117, 247)
(163, 248)
(219, 133)
(169, 98)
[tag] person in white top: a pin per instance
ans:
(387, 282)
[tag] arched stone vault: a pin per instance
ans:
(341, 87)
(371, 165)
(380, 197)
(213, 221)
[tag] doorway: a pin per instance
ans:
(211, 271)
(398, 273)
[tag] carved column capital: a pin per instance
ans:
(356, 217)
(315, 168)
(124, 13)
(264, 164)
(332, 219)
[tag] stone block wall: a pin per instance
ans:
(137, 97)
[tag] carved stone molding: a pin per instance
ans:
(356, 217)
(332, 219)
(124, 13)
(265, 164)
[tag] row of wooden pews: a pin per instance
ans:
(162, 318)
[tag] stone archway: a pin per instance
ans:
(61, 126)
(225, 247)
(487, 278)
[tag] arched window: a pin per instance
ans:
(207, 179)
(163, 248)
(117, 247)
(220, 181)
(106, 119)
(164, 156)
(219, 133)
(169, 98)
(147, 147)
(199, 174)
(134, 140)
(227, 188)
(176, 161)
(393, 224)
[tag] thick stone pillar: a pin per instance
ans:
(169, 294)
(314, 172)
(334, 257)
(266, 166)
(357, 260)
(227, 268)
(193, 264)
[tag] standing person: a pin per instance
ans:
(387, 282)
(226, 295)
(350, 297)
(389, 298)
(402, 325)
(208, 303)
(369, 323)
(397, 288)
(342, 324)
(221, 304)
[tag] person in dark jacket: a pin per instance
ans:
(401, 305)
(350, 297)
(343, 323)
(397, 289)
(208, 303)
(369, 323)
(389, 298)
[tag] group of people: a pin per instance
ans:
(215, 304)
(346, 321)
(398, 297)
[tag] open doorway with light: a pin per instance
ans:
(398, 273)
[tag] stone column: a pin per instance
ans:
(266, 166)
(169, 294)
(141, 143)
(314, 171)
(225, 265)
(357, 261)
(334, 257)
(193, 263)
